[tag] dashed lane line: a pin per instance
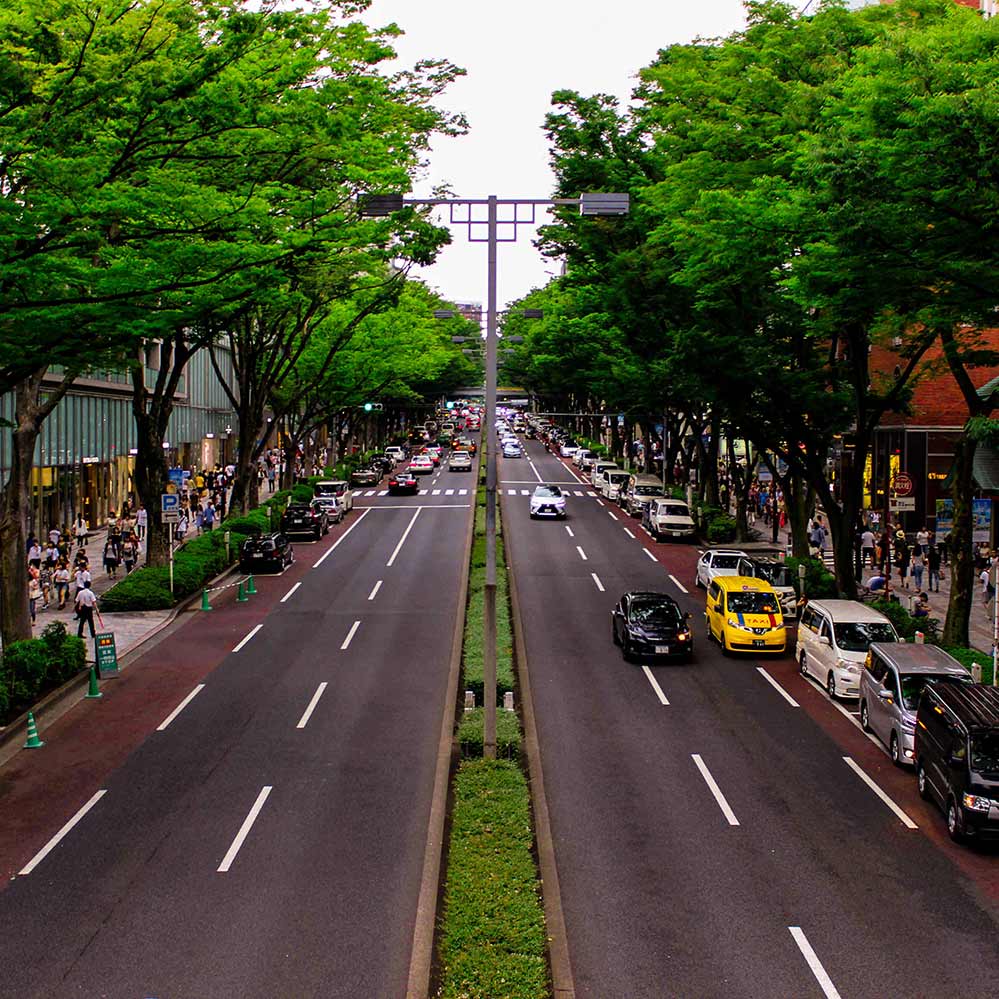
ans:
(655, 686)
(244, 829)
(650, 555)
(899, 814)
(596, 579)
(350, 635)
(247, 637)
(180, 707)
(304, 720)
(630, 535)
(582, 554)
(715, 790)
(568, 530)
(291, 592)
(825, 982)
(374, 590)
(678, 584)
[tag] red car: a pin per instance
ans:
(403, 482)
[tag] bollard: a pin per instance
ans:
(919, 638)
(205, 605)
(93, 691)
(250, 588)
(33, 741)
(976, 672)
(241, 597)
(508, 701)
(469, 700)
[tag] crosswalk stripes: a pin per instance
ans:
(525, 492)
(448, 492)
(436, 492)
(462, 492)
(370, 492)
(578, 492)
(383, 492)
(511, 492)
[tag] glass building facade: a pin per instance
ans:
(84, 458)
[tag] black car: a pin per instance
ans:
(383, 461)
(266, 553)
(651, 624)
(366, 476)
(403, 482)
(306, 518)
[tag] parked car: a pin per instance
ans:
(834, 637)
(460, 461)
(778, 575)
(743, 615)
(651, 624)
(266, 553)
(599, 469)
(668, 518)
(717, 562)
(640, 490)
(336, 487)
(613, 482)
(366, 476)
(957, 756)
(589, 459)
(567, 447)
(403, 482)
(385, 461)
(305, 518)
(891, 683)
(333, 507)
(396, 452)
(582, 453)
(548, 501)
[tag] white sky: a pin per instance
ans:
(517, 52)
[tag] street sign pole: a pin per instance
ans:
(171, 558)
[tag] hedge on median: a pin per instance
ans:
(492, 942)
(31, 668)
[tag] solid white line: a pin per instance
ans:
(410, 506)
(290, 592)
(329, 551)
(244, 829)
(715, 790)
(248, 636)
(402, 540)
(533, 469)
(374, 590)
(54, 842)
(350, 635)
(568, 530)
(304, 720)
(825, 982)
(651, 556)
(180, 707)
(902, 817)
(678, 584)
(596, 579)
(630, 535)
(582, 554)
(655, 686)
(780, 690)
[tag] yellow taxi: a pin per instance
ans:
(743, 615)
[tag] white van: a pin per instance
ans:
(614, 481)
(599, 468)
(834, 637)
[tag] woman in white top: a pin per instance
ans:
(81, 530)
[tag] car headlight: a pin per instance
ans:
(847, 667)
(732, 623)
(977, 803)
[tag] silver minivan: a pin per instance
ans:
(890, 685)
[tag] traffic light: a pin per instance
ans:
(373, 407)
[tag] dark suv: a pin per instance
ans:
(957, 756)
(266, 553)
(305, 518)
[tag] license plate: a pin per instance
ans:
(662, 650)
(758, 643)
(298, 521)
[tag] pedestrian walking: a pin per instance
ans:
(923, 539)
(45, 582)
(141, 521)
(208, 517)
(902, 560)
(271, 475)
(61, 578)
(54, 535)
(867, 547)
(110, 558)
(130, 553)
(817, 537)
(81, 531)
(34, 595)
(917, 567)
(988, 590)
(182, 526)
(86, 605)
(933, 567)
(82, 578)
(35, 555)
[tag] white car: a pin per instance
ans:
(460, 461)
(717, 562)
(396, 453)
(580, 455)
(422, 464)
(599, 469)
(548, 501)
(340, 488)
(567, 450)
(512, 449)
(614, 482)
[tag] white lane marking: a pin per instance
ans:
(54, 842)
(436, 492)
(596, 579)
(780, 690)
(577, 492)
(511, 492)
(715, 790)
(899, 814)
(402, 540)
(462, 492)
(612, 515)
(599, 500)
(382, 492)
(571, 472)
(678, 584)
(304, 720)
(448, 492)
(410, 506)
(651, 556)
(374, 590)
(350, 635)
(244, 829)
(329, 551)
(180, 707)
(582, 554)
(370, 492)
(248, 636)
(655, 686)
(536, 472)
(630, 535)
(568, 530)
(525, 492)
(290, 593)
(825, 982)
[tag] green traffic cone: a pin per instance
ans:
(250, 588)
(33, 741)
(241, 597)
(205, 605)
(93, 690)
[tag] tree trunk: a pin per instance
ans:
(250, 426)
(709, 470)
(797, 501)
(151, 479)
(962, 567)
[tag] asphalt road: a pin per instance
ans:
(269, 840)
(719, 844)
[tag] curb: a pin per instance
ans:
(57, 702)
(424, 930)
(558, 941)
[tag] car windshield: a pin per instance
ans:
(648, 490)
(724, 561)
(776, 575)
(856, 636)
(648, 612)
(548, 491)
(913, 683)
(617, 477)
(752, 602)
(674, 510)
(985, 753)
